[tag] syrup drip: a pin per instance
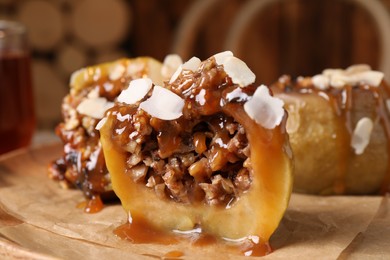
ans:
(92, 205)
(342, 105)
(384, 117)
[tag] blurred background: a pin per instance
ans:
(274, 37)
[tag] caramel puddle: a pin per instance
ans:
(140, 232)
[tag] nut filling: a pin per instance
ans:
(203, 156)
(203, 161)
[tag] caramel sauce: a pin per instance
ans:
(173, 254)
(383, 113)
(142, 232)
(342, 104)
(93, 205)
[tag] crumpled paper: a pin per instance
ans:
(39, 219)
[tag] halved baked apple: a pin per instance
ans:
(92, 91)
(339, 130)
(206, 151)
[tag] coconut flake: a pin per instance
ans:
(237, 95)
(320, 82)
(175, 75)
(200, 98)
(238, 71)
(163, 104)
(332, 72)
(94, 107)
(136, 91)
(101, 123)
(357, 68)
(94, 93)
(353, 75)
(192, 64)
(170, 65)
(265, 109)
(339, 80)
(116, 71)
(373, 78)
(222, 56)
(361, 135)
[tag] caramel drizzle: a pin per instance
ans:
(383, 113)
(342, 104)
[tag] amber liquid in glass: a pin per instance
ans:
(17, 120)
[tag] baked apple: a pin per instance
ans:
(92, 91)
(207, 151)
(339, 130)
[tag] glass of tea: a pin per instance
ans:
(17, 118)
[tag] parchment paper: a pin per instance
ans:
(39, 217)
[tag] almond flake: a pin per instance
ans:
(170, 65)
(136, 91)
(222, 56)
(361, 135)
(265, 109)
(116, 71)
(163, 104)
(94, 107)
(320, 82)
(238, 71)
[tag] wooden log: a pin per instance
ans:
(301, 37)
(49, 91)
(101, 23)
(6, 2)
(44, 22)
(109, 55)
(71, 58)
